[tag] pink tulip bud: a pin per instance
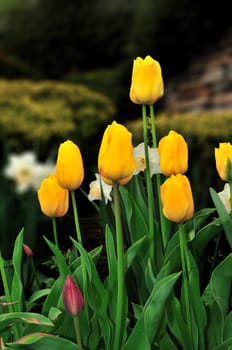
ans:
(27, 250)
(72, 297)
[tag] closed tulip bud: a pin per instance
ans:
(27, 250)
(173, 151)
(69, 166)
(53, 199)
(72, 297)
(177, 199)
(115, 159)
(146, 82)
(223, 157)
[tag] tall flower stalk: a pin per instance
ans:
(121, 288)
(158, 181)
(150, 199)
(186, 272)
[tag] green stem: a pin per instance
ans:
(158, 182)
(149, 187)
(76, 218)
(77, 331)
(121, 288)
(55, 232)
(7, 293)
(186, 270)
(153, 126)
(230, 184)
(79, 239)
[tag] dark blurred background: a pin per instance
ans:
(53, 39)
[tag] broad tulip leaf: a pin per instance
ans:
(204, 236)
(137, 221)
(16, 286)
(97, 295)
(217, 298)
(7, 319)
(36, 296)
(176, 323)
(223, 214)
(220, 284)
(42, 341)
(199, 312)
(147, 326)
(62, 266)
(54, 297)
(132, 252)
(111, 257)
(227, 332)
(226, 345)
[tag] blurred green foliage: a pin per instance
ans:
(49, 112)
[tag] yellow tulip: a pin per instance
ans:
(177, 199)
(173, 152)
(53, 199)
(69, 166)
(147, 81)
(223, 157)
(115, 158)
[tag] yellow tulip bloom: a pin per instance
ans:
(53, 199)
(69, 166)
(115, 158)
(177, 199)
(223, 157)
(147, 81)
(173, 151)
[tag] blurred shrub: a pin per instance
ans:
(203, 132)
(49, 112)
(203, 125)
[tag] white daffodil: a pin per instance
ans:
(225, 197)
(95, 190)
(139, 156)
(41, 171)
(25, 171)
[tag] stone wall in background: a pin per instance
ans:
(206, 85)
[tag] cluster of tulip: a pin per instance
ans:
(155, 237)
(117, 165)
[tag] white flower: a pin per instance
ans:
(25, 171)
(140, 162)
(95, 190)
(225, 197)
(41, 171)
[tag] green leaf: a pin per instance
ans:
(217, 300)
(60, 260)
(97, 295)
(111, 257)
(227, 332)
(132, 252)
(177, 324)
(146, 328)
(199, 312)
(7, 319)
(223, 214)
(204, 236)
(16, 286)
(36, 296)
(226, 345)
(136, 219)
(220, 284)
(54, 297)
(42, 341)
